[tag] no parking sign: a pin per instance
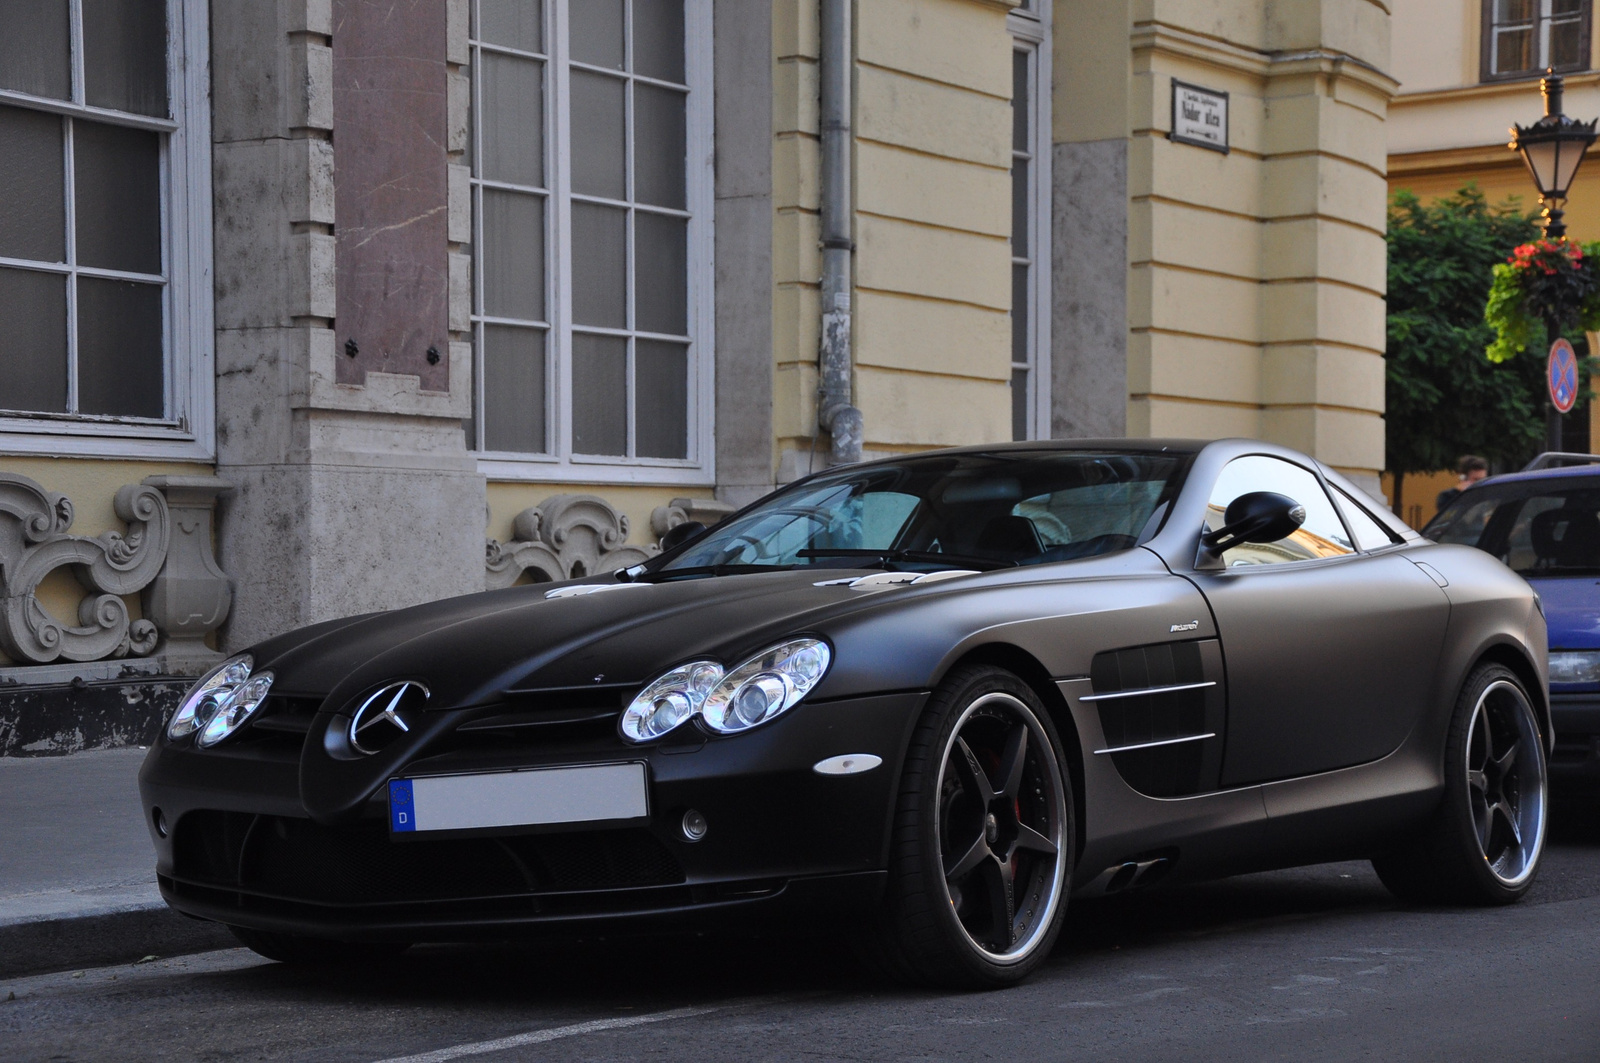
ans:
(1561, 373)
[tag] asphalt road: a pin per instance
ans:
(1313, 964)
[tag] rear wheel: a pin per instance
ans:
(1486, 839)
(983, 838)
(316, 952)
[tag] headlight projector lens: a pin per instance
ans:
(206, 696)
(768, 684)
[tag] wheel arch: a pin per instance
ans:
(1512, 656)
(1028, 668)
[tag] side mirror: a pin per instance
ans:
(679, 534)
(1257, 517)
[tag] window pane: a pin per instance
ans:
(513, 389)
(597, 32)
(1370, 535)
(513, 255)
(513, 119)
(1322, 534)
(1019, 207)
(33, 345)
(597, 135)
(118, 197)
(660, 248)
(661, 387)
(599, 394)
(1019, 404)
(658, 39)
(513, 23)
(33, 218)
(1019, 101)
(1566, 40)
(1513, 50)
(599, 266)
(35, 54)
(125, 55)
(1515, 10)
(1019, 315)
(119, 348)
(658, 146)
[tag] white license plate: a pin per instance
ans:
(601, 793)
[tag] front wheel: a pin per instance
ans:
(1485, 841)
(983, 838)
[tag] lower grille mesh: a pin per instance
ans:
(296, 859)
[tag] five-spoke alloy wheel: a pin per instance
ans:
(1484, 844)
(983, 837)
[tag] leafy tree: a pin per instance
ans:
(1444, 397)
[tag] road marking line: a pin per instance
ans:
(535, 1037)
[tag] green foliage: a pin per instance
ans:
(1543, 278)
(1445, 398)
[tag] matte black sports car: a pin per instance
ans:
(939, 694)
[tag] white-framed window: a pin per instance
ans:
(592, 272)
(105, 236)
(1523, 38)
(1030, 221)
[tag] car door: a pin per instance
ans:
(1330, 650)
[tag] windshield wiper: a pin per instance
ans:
(707, 570)
(927, 556)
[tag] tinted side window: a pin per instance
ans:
(1322, 534)
(1370, 535)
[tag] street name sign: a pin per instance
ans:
(1199, 116)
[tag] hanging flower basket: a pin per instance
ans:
(1556, 278)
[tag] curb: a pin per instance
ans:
(41, 946)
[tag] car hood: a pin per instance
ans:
(471, 650)
(1572, 609)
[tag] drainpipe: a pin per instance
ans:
(834, 411)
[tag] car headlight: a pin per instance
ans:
(215, 687)
(672, 700)
(233, 712)
(768, 684)
(1575, 666)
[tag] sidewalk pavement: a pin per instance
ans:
(77, 871)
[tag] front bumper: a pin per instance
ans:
(239, 846)
(1575, 718)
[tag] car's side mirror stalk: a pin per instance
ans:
(1255, 517)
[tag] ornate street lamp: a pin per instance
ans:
(1553, 148)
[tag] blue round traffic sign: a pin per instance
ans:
(1561, 373)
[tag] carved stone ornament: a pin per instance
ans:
(681, 510)
(192, 595)
(34, 542)
(563, 537)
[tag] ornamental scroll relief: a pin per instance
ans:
(572, 536)
(35, 540)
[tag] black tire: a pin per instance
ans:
(316, 952)
(965, 929)
(1485, 840)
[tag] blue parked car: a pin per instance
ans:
(1544, 522)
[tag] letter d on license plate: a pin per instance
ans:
(601, 793)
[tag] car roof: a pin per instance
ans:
(1559, 472)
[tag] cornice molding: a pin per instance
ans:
(1489, 90)
(1158, 38)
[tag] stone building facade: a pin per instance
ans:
(439, 295)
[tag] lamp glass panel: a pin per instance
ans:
(1540, 156)
(1568, 158)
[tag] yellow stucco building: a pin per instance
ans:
(595, 305)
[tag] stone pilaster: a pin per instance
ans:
(355, 491)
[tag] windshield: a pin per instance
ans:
(1540, 528)
(965, 510)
